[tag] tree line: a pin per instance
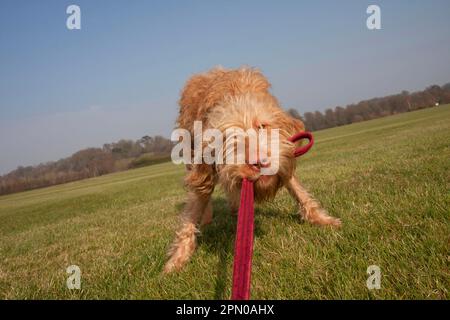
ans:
(375, 108)
(127, 154)
(87, 163)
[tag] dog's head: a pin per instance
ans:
(267, 157)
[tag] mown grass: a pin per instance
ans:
(387, 179)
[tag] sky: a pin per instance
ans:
(120, 76)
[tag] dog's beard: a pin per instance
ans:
(265, 186)
(245, 112)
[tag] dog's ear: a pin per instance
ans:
(292, 125)
(298, 125)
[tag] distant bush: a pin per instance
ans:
(148, 160)
(375, 108)
(87, 163)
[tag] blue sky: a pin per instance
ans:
(121, 74)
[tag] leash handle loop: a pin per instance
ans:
(303, 149)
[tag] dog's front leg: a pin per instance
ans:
(312, 210)
(185, 240)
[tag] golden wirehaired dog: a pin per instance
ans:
(221, 99)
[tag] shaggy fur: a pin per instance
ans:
(240, 98)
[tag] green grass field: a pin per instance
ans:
(387, 179)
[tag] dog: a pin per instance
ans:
(221, 99)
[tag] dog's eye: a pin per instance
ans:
(262, 126)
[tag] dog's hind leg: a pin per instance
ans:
(312, 210)
(185, 240)
(207, 214)
(233, 203)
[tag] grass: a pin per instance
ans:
(387, 179)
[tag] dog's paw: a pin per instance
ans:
(335, 222)
(170, 267)
(326, 220)
(320, 217)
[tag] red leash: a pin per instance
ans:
(243, 248)
(302, 135)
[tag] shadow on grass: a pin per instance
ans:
(218, 238)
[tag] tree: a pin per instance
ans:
(341, 116)
(320, 122)
(309, 121)
(330, 118)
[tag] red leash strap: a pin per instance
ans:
(243, 247)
